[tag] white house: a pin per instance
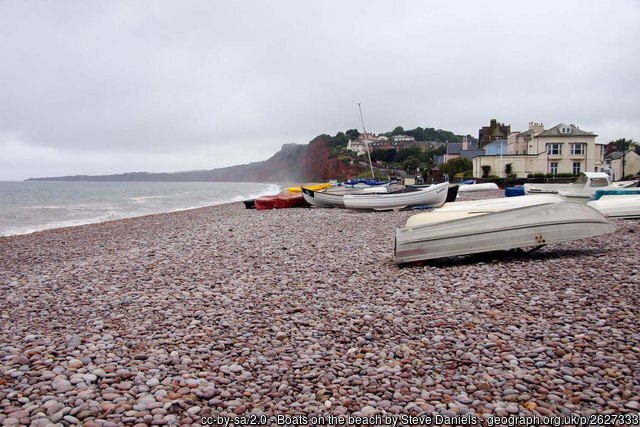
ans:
(560, 149)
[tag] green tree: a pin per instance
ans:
(340, 140)
(352, 134)
(457, 165)
(399, 130)
(383, 155)
(623, 144)
(508, 170)
(405, 153)
(410, 164)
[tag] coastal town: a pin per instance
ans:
(561, 150)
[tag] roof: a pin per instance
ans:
(575, 131)
(454, 147)
(615, 155)
(470, 154)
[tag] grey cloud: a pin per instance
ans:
(91, 79)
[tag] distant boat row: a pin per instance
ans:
(370, 196)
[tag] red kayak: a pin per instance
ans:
(266, 202)
(289, 200)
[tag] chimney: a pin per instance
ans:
(465, 143)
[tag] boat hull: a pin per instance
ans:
(265, 202)
(512, 229)
(314, 187)
(626, 206)
(289, 200)
(321, 199)
(471, 208)
(485, 186)
(434, 195)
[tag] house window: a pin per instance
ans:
(553, 168)
(577, 149)
(576, 168)
(554, 149)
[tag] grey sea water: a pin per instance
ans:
(30, 206)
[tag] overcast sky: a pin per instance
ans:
(100, 87)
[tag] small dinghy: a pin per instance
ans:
(434, 196)
(531, 226)
(326, 199)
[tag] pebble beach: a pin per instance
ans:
(224, 312)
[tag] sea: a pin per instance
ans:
(29, 206)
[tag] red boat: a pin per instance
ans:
(289, 200)
(266, 202)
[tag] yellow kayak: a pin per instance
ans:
(313, 187)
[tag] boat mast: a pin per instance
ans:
(366, 142)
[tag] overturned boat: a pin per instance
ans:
(618, 206)
(471, 208)
(472, 186)
(530, 226)
(434, 195)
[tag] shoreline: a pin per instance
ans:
(224, 311)
(61, 224)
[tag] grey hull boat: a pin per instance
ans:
(531, 226)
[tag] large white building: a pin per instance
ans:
(560, 149)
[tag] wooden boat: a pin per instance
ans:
(289, 200)
(434, 195)
(477, 187)
(618, 206)
(479, 207)
(530, 226)
(314, 187)
(266, 202)
(582, 189)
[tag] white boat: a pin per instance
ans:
(434, 195)
(582, 189)
(618, 206)
(480, 207)
(530, 226)
(334, 199)
(477, 187)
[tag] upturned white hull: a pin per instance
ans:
(458, 210)
(477, 187)
(511, 229)
(618, 206)
(434, 195)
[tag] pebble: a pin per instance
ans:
(168, 318)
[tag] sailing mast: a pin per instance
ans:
(366, 142)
